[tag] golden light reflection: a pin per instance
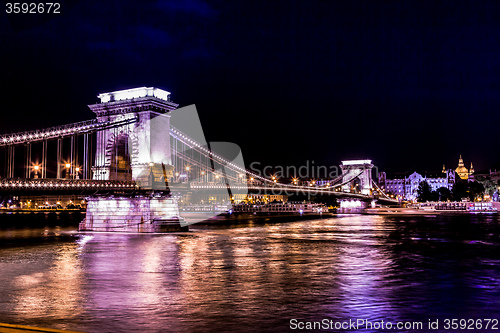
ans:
(158, 258)
(239, 263)
(54, 293)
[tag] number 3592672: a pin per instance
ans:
(33, 8)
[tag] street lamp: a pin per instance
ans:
(77, 171)
(67, 170)
(36, 168)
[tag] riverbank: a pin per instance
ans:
(27, 210)
(20, 219)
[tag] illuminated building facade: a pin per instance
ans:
(406, 187)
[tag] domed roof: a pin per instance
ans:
(462, 171)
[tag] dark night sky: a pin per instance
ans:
(409, 84)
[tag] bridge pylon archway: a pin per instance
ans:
(137, 147)
(119, 147)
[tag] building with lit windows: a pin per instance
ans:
(406, 187)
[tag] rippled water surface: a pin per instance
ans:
(250, 276)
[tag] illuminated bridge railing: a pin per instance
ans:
(275, 188)
(60, 131)
(7, 184)
(237, 169)
(49, 133)
(333, 187)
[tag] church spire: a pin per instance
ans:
(444, 169)
(460, 162)
(461, 170)
(471, 171)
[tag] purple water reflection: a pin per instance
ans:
(254, 277)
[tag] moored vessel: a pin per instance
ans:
(281, 207)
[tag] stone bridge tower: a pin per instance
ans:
(137, 146)
(361, 171)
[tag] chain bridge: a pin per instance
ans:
(134, 146)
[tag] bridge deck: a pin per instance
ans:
(35, 184)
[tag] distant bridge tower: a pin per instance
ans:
(361, 170)
(135, 147)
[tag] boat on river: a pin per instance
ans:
(281, 207)
(464, 207)
(398, 211)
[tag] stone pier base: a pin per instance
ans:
(141, 214)
(351, 206)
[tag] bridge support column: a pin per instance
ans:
(59, 159)
(73, 157)
(86, 158)
(10, 161)
(28, 160)
(44, 159)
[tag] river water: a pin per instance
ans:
(254, 275)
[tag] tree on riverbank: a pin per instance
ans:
(465, 189)
(443, 194)
(424, 192)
